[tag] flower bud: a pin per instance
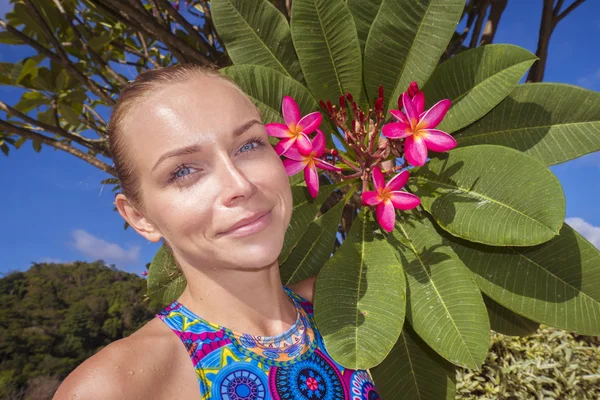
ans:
(349, 97)
(413, 89)
(381, 91)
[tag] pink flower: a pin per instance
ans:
(296, 129)
(416, 127)
(388, 197)
(297, 162)
(145, 273)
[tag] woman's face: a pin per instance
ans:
(206, 166)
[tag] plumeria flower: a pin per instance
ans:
(417, 128)
(144, 273)
(388, 197)
(295, 131)
(297, 162)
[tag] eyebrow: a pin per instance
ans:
(195, 148)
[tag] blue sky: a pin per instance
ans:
(55, 209)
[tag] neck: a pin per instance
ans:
(246, 301)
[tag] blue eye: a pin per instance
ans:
(183, 172)
(247, 146)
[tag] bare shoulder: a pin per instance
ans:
(305, 288)
(134, 367)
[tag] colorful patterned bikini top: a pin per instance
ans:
(292, 365)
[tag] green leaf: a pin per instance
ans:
(506, 322)
(360, 298)
(37, 145)
(4, 148)
(556, 283)
(9, 38)
(47, 116)
(266, 88)
(255, 32)
(552, 122)
(29, 69)
(166, 282)
(364, 12)
(304, 212)
(413, 371)
(476, 81)
(492, 195)
(405, 43)
(444, 305)
(327, 45)
(315, 246)
(31, 100)
(69, 114)
(97, 43)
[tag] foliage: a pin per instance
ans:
(54, 316)
(480, 245)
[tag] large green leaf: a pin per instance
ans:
(266, 88)
(491, 194)
(327, 45)
(405, 43)
(304, 212)
(315, 246)
(360, 298)
(255, 32)
(476, 81)
(413, 371)
(556, 283)
(552, 122)
(166, 282)
(444, 305)
(364, 12)
(506, 322)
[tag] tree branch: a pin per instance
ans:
(481, 11)
(567, 11)
(87, 49)
(96, 145)
(198, 39)
(93, 86)
(58, 145)
(491, 25)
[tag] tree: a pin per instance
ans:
(421, 287)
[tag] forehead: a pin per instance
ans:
(201, 109)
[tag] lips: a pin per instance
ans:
(245, 221)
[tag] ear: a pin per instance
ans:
(136, 219)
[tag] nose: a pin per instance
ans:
(234, 184)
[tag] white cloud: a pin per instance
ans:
(587, 230)
(97, 248)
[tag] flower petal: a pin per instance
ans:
(396, 130)
(303, 144)
(386, 215)
(294, 154)
(419, 102)
(278, 130)
(437, 140)
(409, 109)
(404, 200)
(325, 165)
(311, 176)
(291, 112)
(371, 198)
(310, 122)
(399, 115)
(435, 114)
(378, 179)
(397, 182)
(318, 143)
(292, 167)
(284, 145)
(415, 151)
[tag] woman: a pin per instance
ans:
(198, 173)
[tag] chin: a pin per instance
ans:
(258, 250)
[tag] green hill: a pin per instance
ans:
(54, 316)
